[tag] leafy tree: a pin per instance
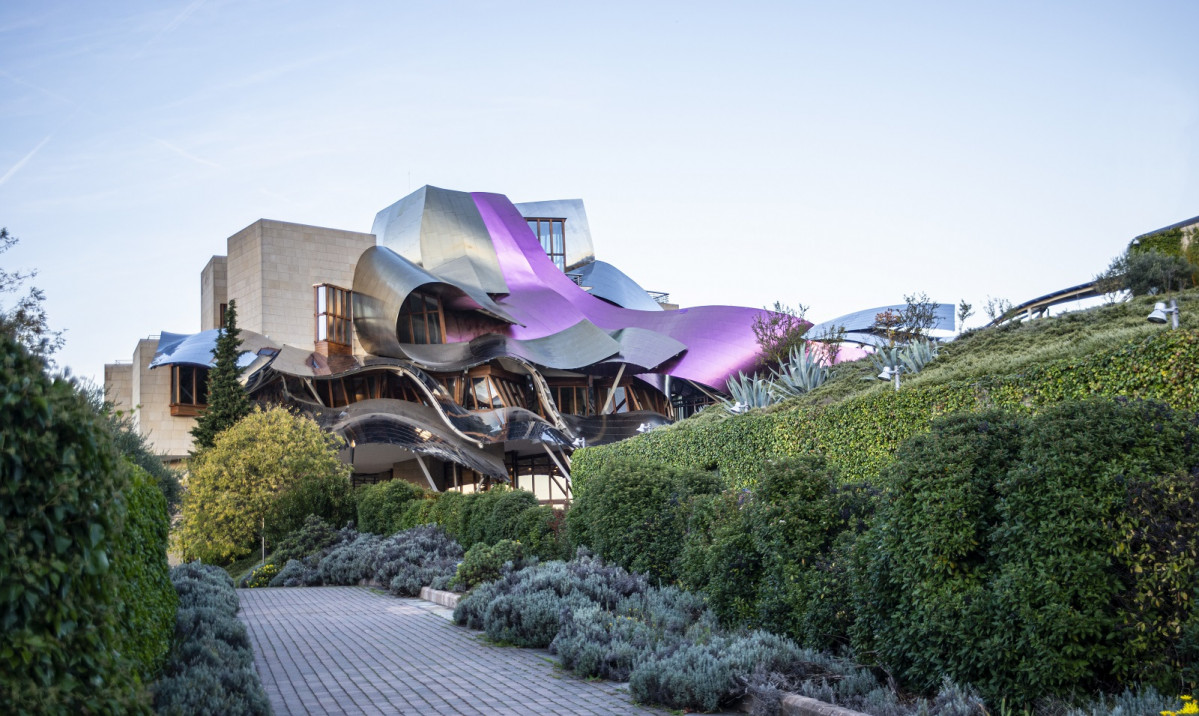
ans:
(227, 400)
(234, 484)
(26, 319)
(1143, 273)
(780, 331)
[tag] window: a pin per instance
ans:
(552, 235)
(189, 389)
(571, 399)
(334, 315)
(420, 320)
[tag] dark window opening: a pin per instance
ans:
(189, 389)
(552, 235)
(421, 320)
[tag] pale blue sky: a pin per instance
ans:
(838, 155)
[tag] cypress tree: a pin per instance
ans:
(227, 400)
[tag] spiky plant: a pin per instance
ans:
(749, 391)
(803, 372)
(917, 354)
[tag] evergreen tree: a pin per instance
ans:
(227, 400)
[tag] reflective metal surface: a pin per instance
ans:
(603, 429)
(441, 231)
(383, 279)
(196, 348)
(411, 426)
(863, 321)
(605, 281)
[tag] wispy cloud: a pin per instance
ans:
(172, 25)
(24, 160)
(187, 155)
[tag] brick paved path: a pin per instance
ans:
(352, 650)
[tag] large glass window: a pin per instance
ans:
(552, 235)
(189, 389)
(334, 319)
(420, 320)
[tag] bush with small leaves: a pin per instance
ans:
(350, 562)
(542, 531)
(211, 665)
(487, 563)
(62, 507)
(381, 505)
(313, 536)
(634, 513)
(705, 675)
(299, 573)
(415, 558)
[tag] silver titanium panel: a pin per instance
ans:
(863, 321)
(441, 230)
(579, 249)
(605, 281)
(383, 279)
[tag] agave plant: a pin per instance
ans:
(803, 372)
(918, 354)
(749, 391)
(909, 359)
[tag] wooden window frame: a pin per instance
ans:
(337, 319)
(194, 408)
(411, 315)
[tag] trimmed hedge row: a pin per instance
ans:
(83, 555)
(860, 435)
(143, 575)
(1028, 556)
(472, 518)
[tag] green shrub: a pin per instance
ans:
(777, 557)
(634, 513)
(485, 563)
(502, 521)
(381, 505)
(313, 536)
(233, 485)
(327, 496)
(542, 531)
(447, 512)
(1037, 556)
(143, 575)
(418, 512)
(61, 485)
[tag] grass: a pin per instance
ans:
(239, 569)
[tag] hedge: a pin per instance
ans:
(859, 436)
(143, 574)
(61, 507)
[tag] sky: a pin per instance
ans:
(835, 155)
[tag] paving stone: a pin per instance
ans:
(354, 650)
